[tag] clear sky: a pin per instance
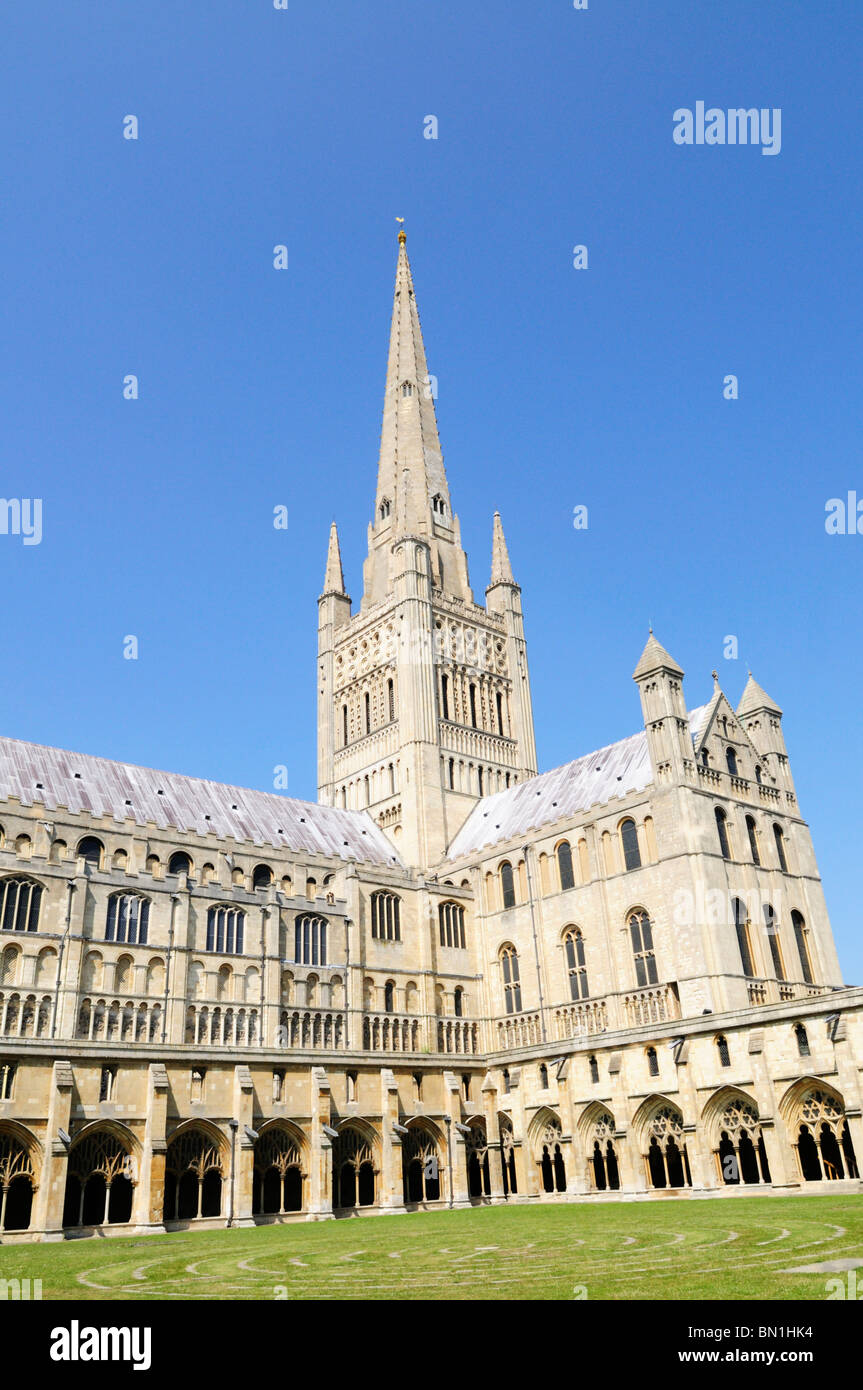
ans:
(557, 387)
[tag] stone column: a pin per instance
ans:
(149, 1203)
(320, 1184)
(492, 1134)
(390, 1190)
(244, 1151)
(50, 1199)
(452, 1101)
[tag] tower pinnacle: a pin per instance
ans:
(334, 579)
(501, 569)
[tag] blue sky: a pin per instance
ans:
(557, 387)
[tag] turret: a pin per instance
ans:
(761, 717)
(660, 685)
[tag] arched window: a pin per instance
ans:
(722, 1049)
(179, 863)
(367, 704)
(451, 925)
(389, 997)
(780, 848)
(802, 1040)
(438, 505)
(652, 1062)
(391, 700)
(800, 936)
(507, 884)
(458, 1001)
(575, 963)
(741, 926)
(772, 927)
(472, 693)
(386, 917)
(629, 841)
(344, 725)
(594, 1070)
(758, 775)
(752, 832)
(310, 940)
(731, 761)
(91, 850)
(564, 865)
(705, 758)
(225, 930)
(20, 903)
(722, 832)
(511, 986)
(407, 389)
(99, 1181)
(641, 935)
(262, 876)
(543, 1076)
(128, 918)
(386, 508)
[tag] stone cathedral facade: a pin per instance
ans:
(450, 980)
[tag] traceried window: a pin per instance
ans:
(800, 936)
(225, 930)
(386, 917)
(564, 865)
(511, 985)
(741, 926)
(802, 1040)
(507, 884)
(779, 837)
(722, 832)
(20, 901)
(310, 940)
(652, 1062)
(752, 832)
(641, 936)
(772, 928)
(629, 841)
(576, 965)
(128, 918)
(722, 1050)
(451, 924)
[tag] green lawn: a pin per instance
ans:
(672, 1249)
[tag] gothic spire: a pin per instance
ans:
(334, 580)
(754, 698)
(655, 658)
(501, 569)
(411, 478)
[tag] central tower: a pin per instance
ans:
(423, 695)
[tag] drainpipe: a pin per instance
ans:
(175, 898)
(448, 1123)
(535, 942)
(347, 984)
(71, 887)
(233, 1125)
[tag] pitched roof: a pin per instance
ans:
(594, 779)
(754, 697)
(84, 784)
(652, 658)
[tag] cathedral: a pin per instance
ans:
(453, 979)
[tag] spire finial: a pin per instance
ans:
(715, 675)
(403, 236)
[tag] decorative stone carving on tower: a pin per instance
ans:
(424, 695)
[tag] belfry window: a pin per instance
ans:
(386, 508)
(438, 505)
(407, 390)
(780, 848)
(511, 985)
(731, 760)
(641, 936)
(722, 832)
(741, 926)
(773, 939)
(800, 936)
(576, 964)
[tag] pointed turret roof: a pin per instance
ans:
(334, 579)
(754, 698)
(501, 569)
(654, 658)
(410, 467)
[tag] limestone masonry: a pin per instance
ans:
(450, 981)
